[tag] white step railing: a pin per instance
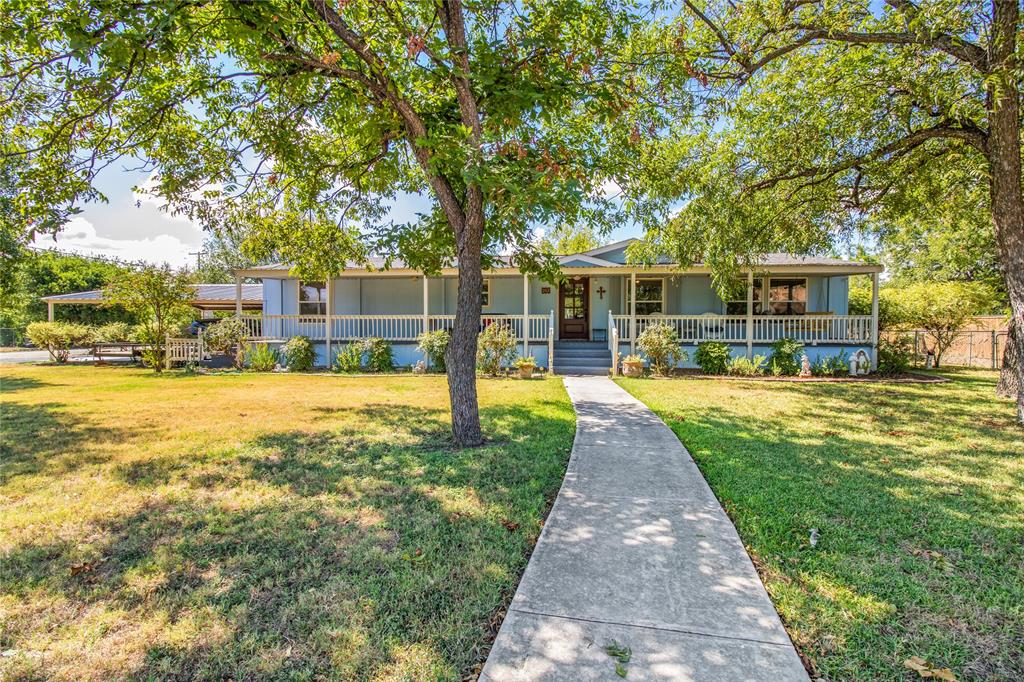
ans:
(810, 329)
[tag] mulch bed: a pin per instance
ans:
(904, 378)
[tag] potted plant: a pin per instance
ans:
(526, 366)
(633, 366)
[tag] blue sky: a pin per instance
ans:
(133, 227)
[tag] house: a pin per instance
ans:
(207, 298)
(580, 324)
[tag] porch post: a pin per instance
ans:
(238, 295)
(49, 311)
(426, 305)
(632, 312)
(874, 321)
(750, 314)
(330, 308)
(526, 315)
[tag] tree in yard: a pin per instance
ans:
(159, 298)
(35, 274)
(566, 239)
(821, 116)
(941, 309)
(298, 121)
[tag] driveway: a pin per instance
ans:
(638, 553)
(19, 356)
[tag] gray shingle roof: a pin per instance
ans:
(595, 256)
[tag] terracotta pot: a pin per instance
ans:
(633, 369)
(526, 372)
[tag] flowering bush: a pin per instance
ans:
(434, 345)
(496, 347)
(298, 354)
(660, 343)
(58, 337)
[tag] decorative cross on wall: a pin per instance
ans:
(601, 292)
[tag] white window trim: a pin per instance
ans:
(766, 300)
(626, 293)
(764, 296)
(299, 301)
(485, 285)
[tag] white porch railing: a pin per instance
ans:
(390, 327)
(810, 329)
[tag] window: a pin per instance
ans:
(739, 306)
(787, 296)
(649, 296)
(312, 298)
(485, 293)
(574, 300)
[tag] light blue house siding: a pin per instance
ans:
(403, 295)
(397, 295)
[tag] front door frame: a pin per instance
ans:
(585, 335)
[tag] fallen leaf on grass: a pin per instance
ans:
(511, 526)
(922, 668)
(84, 567)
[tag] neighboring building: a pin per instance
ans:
(207, 298)
(584, 321)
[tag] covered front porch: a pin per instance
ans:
(591, 304)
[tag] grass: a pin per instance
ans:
(263, 526)
(917, 493)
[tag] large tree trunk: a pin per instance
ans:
(1009, 378)
(461, 354)
(1005, 166)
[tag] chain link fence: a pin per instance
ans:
(972, 347)
(9, 337)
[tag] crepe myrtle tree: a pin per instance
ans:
(298, 122)
(822, 117)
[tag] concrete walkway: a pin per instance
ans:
(638, 550)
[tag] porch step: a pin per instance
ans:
(582, 353)
(590, 358)
(581, 370)
(581, 344)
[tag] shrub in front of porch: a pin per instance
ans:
(262, 358)
(228, 336)
(741, 366)
(785, 359)
(713, 357)
(660, 343)
(496, 348)
(434, 345)
(298, 354)
(377, 354)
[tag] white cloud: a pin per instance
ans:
(80, 236)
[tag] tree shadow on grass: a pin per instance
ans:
(45, 436)
(919, 516)
(308, 555)
(12, 384)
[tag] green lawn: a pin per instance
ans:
(252, 526)
(917, 492)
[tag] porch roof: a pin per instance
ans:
(594, 262)
(208, 296)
